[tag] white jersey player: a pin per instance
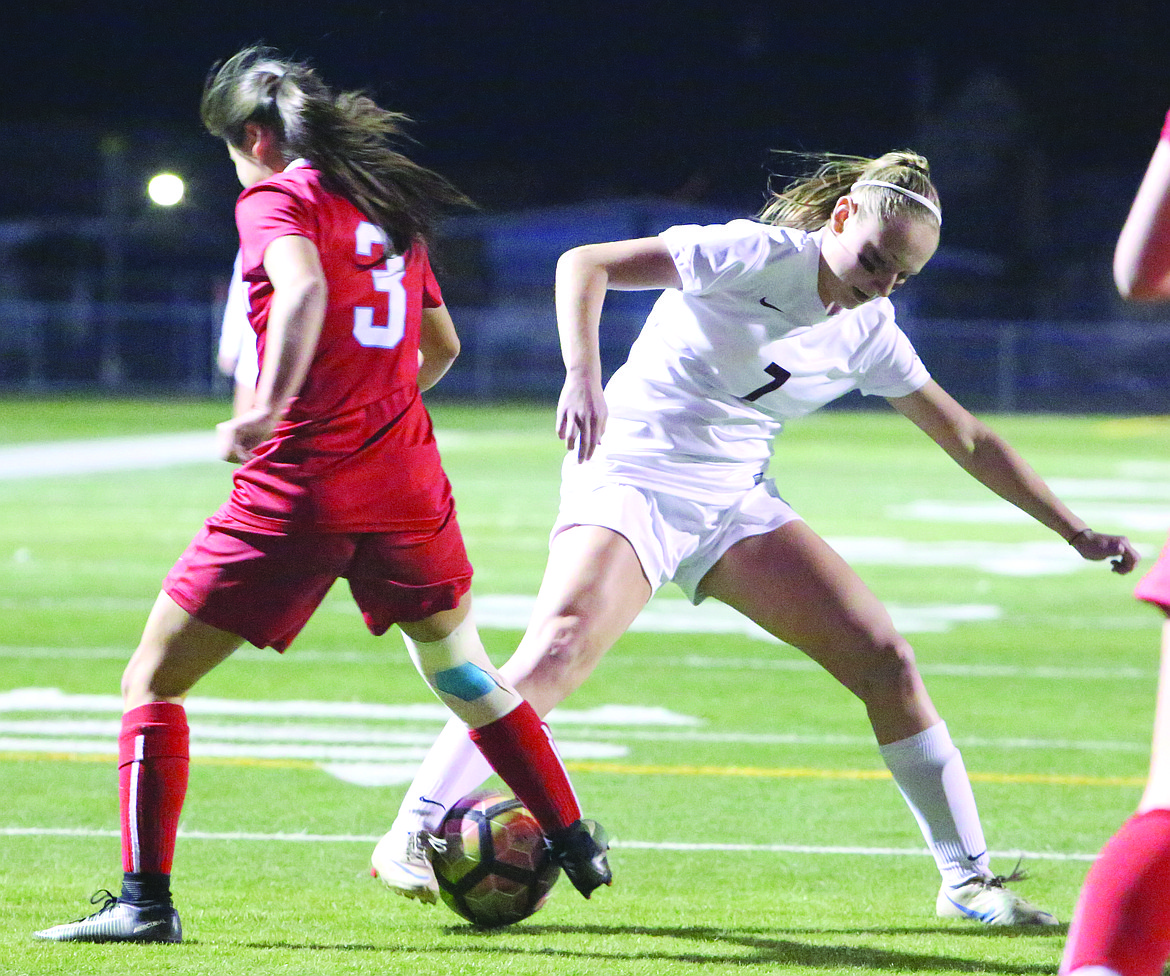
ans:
(759, 322)
(237, 356)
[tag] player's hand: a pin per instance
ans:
(581, 413)
(238, 438)
(1096, 546)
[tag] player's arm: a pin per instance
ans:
(584, 274)
(1141, 260)
(988, 458)
(295, 319)
(438, 346)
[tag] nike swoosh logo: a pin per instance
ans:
(768, 304)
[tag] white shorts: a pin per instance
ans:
(675, 538)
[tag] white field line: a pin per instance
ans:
(54, 459)
(578, 729)
(512, 612)
(630, 845)
(1122, 516)
(697, 662)
(1042, 672)
(53, 700)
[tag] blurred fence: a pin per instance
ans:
(511, 351)
(1003, 366)
(60, 333)
(1070, 367)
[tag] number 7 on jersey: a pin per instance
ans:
(779, 377)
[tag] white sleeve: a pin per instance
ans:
(715, 256)
(890, 365)
(237, 340)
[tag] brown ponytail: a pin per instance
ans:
(345, 135)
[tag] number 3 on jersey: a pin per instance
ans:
(389, 280)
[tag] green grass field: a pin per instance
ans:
(755, 828)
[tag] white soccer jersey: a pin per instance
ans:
(237, 340)
(745, 345)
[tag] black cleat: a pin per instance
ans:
(119, 921)
(580, 849)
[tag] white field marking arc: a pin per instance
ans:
(1045, 557)
(605, 722)
(54, 700)
(630, 845)
(1121, 516)
(1104, 500)
(289, 748)
(52, 459)
(1042, 672)
(1135, 479)
(512, 612)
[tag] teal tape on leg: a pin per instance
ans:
(466, 682)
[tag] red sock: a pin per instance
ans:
(1122, 918)
(520, 748)
(153, 758)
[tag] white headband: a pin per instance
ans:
(916, 197)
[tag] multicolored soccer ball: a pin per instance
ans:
(491, 861)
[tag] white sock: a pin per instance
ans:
(452, 768)
(930, 773)
(1094, 971)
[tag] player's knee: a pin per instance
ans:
(889, 671)
(131, 684)
(567, 650)
(142, 682)
(137, 677)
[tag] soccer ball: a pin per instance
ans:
(491, 861)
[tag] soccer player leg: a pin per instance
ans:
(818, 604)
(933, 780)
(153, 761)
(1122, 919)
(452, 768)
(514, 740)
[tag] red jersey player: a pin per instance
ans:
(1121, 926)
(340, 472)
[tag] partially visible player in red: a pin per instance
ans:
(340, 474)
(1121, 926)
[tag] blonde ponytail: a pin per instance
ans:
(807, 202)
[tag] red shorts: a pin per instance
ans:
(1154, 587)
(265, 587)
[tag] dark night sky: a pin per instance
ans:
(560, 99)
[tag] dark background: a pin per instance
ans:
(559, 100)
(1038, 119)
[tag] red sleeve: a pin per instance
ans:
(1166, 128)
(432, 297)
(263, 214)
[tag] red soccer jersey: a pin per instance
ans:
(355, 451)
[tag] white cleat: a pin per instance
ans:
(989, 901)
(402, 862)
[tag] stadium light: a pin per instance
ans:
(165, 189)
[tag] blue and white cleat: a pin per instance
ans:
(990, 901)
(402, 862)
